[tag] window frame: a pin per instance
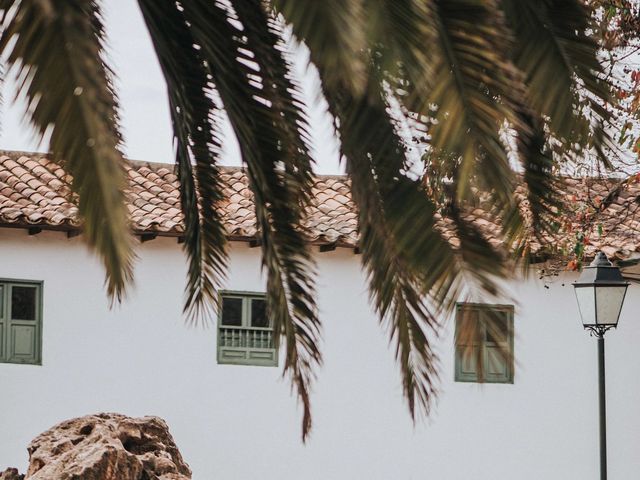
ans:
(7, 322)
(245, 355)
(483, 344)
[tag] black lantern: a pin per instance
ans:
(600, 291)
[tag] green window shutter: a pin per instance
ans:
(23, 344)
(468, 348)
(498, 344)
(3, 324)
(496, 366)
(484, 343)
(467, 363)
(245, 333)
(22, 324)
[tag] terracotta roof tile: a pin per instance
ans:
(35, 191)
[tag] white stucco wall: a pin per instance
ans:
(242, 423)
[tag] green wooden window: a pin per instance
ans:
(245, 332)
(20, 322)
(484, 343)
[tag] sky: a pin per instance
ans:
(142, 93)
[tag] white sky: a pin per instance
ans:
(144, 109)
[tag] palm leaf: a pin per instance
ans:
(398, 31)
(334, 30)
(265, 38)
(394, 286)
(475, 249)
(479, 94)
(56, 49)
(543, 193)
(563, 74)
(196, 136)
(225, 38)
(476, 90)
(409, 265)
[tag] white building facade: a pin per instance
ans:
(242, 422)
(235, 421)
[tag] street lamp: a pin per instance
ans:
(600, 291)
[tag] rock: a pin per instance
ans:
(11, 474)
(106, 446)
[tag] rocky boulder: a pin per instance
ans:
(11, 474)
(106, 446)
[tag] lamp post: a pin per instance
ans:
(600, 291)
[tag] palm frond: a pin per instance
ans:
(57, 49)
(265, 38)
(335, 31)
(563, 74)
(476, 90)
(398, 31)
(196, 136)
(539, 178)
(224, 37)
(395, 287)
(479, 96)
(475, 249)
(410, 266)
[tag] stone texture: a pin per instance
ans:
(106, 446)
(11, 474)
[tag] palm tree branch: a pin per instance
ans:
(58, 51)
(398, 236)
(197, 137)
(563, 74)
(477, 90)
(334, 30)
(542, 189)
(264, 34)
(290, 286)
(398, 31)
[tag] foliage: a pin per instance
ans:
(617, 25)
(501, 96)
(616, 29)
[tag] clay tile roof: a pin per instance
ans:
(34, 192)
